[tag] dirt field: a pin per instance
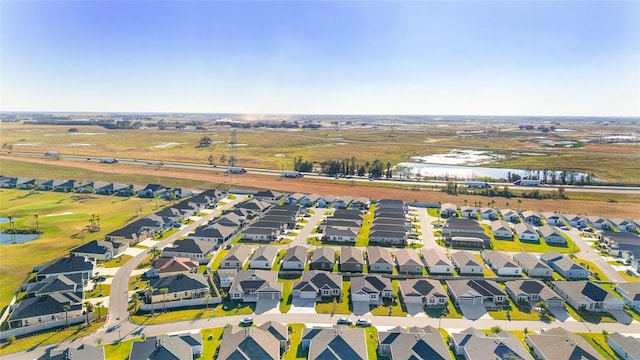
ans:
(345, 187)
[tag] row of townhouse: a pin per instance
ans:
(94, 187)
(390, 225)
(624, 245)
(465, 233)
(534, 218)
(525, 232)
(342, 226)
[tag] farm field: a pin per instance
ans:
(63, 219)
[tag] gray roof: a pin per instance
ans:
(97, 247)
(421, 288)
(407, 257)
(314, 280)
(529, 261)
(433, 257)
(67, 265)
(500, 346)
(336, 344)
(561, 344)
(521, 228)
(548, 230)
(45, 305)
(191, 246)
(528, 287)
(178, 283)
(322, 254)
(52, 284)
(351, 255)
(499, 259)
(379, 255)
(629, 344)
(256, 280)
(165, 347)
(265, 253)
(370, 284)
(84, 351)
(421, 344)
(482, 288)
(278, 330)
(335, 231)
(238, 253)
(249, 343)
(579, 289)
(296, 253)
(465, 258)
(631, 288)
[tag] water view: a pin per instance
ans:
(15, 238)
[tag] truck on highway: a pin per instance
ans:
(527, 182)
(292, 174)
(52, 154)
(236, 170)
(478, 184)
(108, 160)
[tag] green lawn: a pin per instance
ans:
(454, 313)
(517, 312)
(227, 308)
(390, 308)
(210, 346)
(63, 218)
(276, 263)
(101, 290)
(591, 317)
(629, 277)
(363, 234)
(598, 274)
(119, 350)
(138, 282)
(339, 307)
(49, 338)
(598, 342)
(523, 246)
(216, 263)
(371, 336)
(486, 271)
(285, 303)
(295, 336)
(117, 262)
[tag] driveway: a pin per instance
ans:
(560, 314)
(360, 307)
(414, 309)
(302, 306)
(621, 316)
(267, 306)
(473, 312)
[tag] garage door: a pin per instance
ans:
(466, 301)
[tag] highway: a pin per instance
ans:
(603, 189)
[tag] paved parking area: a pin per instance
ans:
(473, 312)
(264, 306)
(302, 306)
(561, 314)
(414, 309)
(360, 308)
(621, 316)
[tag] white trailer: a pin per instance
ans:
(527, 182)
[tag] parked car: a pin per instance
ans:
(344, 321)
(565, 228)
(363, 322)
(248, 321)
(588, 230)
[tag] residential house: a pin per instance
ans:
(501, 263)
(269, 196)
(627, 347)
(137, 231)
(196, 250)
(317, 284)
(532, 266)
(554, 219)
(66, 186)
(338, 343)
(415, 344)
(465, 233)
(44, 309)
(152, 190)
(128, 191)
(630, 292)
(253, 285)
(560, 344)
(168, 266)
(577, 221)
(47, 184)
(353, 225)
(552, 235)
(476, 292)
(345, 214)
(25, 183)
(625, 245)
(53, 285)
(437, 262)
(564, 265)
(323, 258)
(233, 220)
(379, 260)
(177, 193)
(448, 210)
(111, 188)
(342, 202)
(293, 199)
(84, 351)
(326, 201)
(90, 187)
(340, 235)
(473, 344)
(279, 332)
(100, 250)
(599, 223)
(236, 257)
(225, 277)
(469, 212)
(488, 213)
(587, 295)
(263, 258)
(208, 198)
(185, 346)
(408, 262)
(532, 217)
(370, 288)
(510, 216)
(255, 206)
(171, 215)
(531, 292)
(361, 203)
(624, 224)
(466, 263)
(351, 259)
(295, 258)
(388, 237)
(309, 200)
(261, 234)
(80, 265)
(526, 232)
(179, 287)
(247, 343)
(428, 292)
(501, 229)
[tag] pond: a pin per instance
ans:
(15, 238)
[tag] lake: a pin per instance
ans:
(15, 238)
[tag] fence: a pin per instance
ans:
(44, 326)
(180, 304)
(7, 310)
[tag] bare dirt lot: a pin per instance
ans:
(354, 189)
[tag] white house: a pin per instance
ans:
(466, 263)
(526, 232)
(436, 262)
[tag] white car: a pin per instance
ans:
(246, 321)
(363, 322)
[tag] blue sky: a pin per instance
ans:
(472, 57)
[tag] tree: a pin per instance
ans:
(519, 203)
(206, 300)
(89, 309)
(210, 158)
(10, 217)
(542, 306)
(155, 252)
(223, 158)
(72, 130)
(149, 293)
(66, 308)
(164, 292)
(36, 216)
(136, 301)
(496, 329)
(99, 305)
